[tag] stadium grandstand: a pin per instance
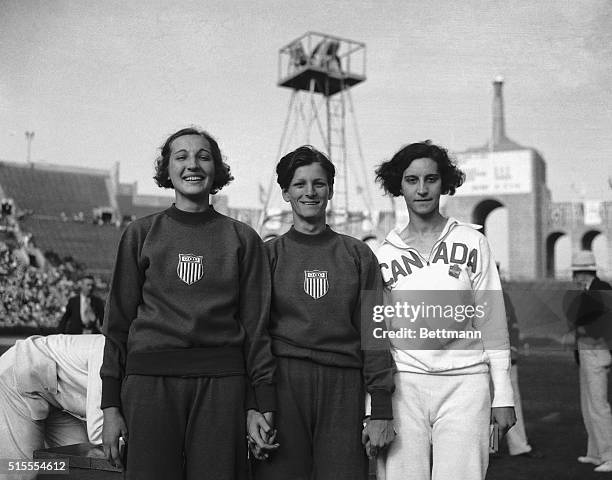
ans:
(70, 212)
(132, 206)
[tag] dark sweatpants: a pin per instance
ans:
(319, 422)
(185, 428)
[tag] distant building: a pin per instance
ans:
(504, 173)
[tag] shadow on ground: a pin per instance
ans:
(551, 405)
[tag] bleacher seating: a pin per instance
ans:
(133, 205)
(56, 206)
(50, 191)
(93, 245)
(129, 207)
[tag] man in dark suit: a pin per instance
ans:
(84, 312)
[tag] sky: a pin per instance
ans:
(100, 82)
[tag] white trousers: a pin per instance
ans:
(19, 434)
(516, 436)
(594, 367)
(444, 415)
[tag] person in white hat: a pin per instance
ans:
(592, 321)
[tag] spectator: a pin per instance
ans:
(591, 317)
(325, 55)
(84, 312)
(32, 296)
(516, 438)
(297, 55)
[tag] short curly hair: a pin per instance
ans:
(222, 169)
(301, 156)
(389, 174)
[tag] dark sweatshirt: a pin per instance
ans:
(190, 296)
(317, 285)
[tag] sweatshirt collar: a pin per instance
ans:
(393, 237)
(305, 238)
(191, 218)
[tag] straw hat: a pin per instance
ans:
(583, 261)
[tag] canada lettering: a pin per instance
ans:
(460, 254)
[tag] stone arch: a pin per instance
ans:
(586, 242)
(483, 209)
(493, 215)
(601, 249)
(551, 241)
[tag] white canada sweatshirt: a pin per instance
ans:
(460, 260)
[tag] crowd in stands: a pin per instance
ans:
(34, 295)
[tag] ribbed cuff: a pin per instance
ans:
(250, 402)
(111, 392)
(382, 408)
(265, 395)
(499, 367)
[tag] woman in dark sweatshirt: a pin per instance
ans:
(318, 280)
(185, 326)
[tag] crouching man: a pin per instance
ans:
(50, 390)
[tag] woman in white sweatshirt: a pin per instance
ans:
(454, 345)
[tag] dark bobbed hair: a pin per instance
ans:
(390, 173)
(222, 169)
(301, 156)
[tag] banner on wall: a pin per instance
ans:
(592, 212)
(496, 173)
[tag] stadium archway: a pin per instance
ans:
(599, 245)
(496, 229)
(551, 252)
(586, 242)
(482, 210)
(494, 215)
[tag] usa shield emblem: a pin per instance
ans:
(190, 267)
(315, 283)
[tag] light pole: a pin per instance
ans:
(29, 138)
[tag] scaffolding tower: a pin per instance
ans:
(320, 70)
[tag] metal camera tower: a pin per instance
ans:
(320, 69)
